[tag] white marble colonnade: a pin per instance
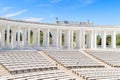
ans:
(57, 38)
(24, 32)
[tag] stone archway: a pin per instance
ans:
(63, 39)
(108, 41)
(74, 39)
(41, 37)
(31, 37)
(50, 38)
(99, 41)
(118, 40)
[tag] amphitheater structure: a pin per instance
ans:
(60, 51)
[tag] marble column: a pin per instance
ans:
(38, 37)
(8, 36)
(68, 38)
(82, 35)
(104, 40)
(35, 37)
(95, 40)
(60, 37)
(19, 37)
(57, 37)
(78, 39)
(3, 38)
(114, 39)
(25, 37)
(44, 37)
(14, 38)
(92, 39)
(29, 37)
(71, 38)
(48, 38)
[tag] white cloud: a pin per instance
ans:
(15, 14)
(82, 3)
(5, 9)
(34, 19)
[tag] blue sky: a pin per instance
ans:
(101, 12)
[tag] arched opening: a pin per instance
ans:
(41, 37)
(53, 38)
(63, 39)
(21, 36)
(74, 39)
(27, 37)
(87, 40)
(108, 41)
(16, 36)
(50, 38)
(99, 41)
(10, 37)
(118, 40)
(31, 37)
(5, 37)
